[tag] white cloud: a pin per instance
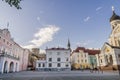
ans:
(43, 36)
(38, 18)
(98, 8)
(86, 19)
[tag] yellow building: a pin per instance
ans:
(82, 58)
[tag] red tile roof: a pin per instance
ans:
(89, 51)
(92, 52)
(79, 48)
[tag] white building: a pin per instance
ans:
(109, 59)
(12, 57)
(41, 65)
(58, 59)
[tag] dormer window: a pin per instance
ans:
(3, 40)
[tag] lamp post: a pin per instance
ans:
(117, 64)
(119, 69)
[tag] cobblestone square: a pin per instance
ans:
(71, 75)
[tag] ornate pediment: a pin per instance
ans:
(106, 48)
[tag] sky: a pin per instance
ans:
(50, 23)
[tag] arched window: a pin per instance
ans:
(119, 42)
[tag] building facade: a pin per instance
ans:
(57, 59)
(41, 62)
(79, 58)
(13, 58)
(41, 65)
(82, 58)
(110, 52)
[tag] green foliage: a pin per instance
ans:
(15, 3)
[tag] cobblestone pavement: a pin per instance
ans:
(70, 75)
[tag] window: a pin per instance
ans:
(39, 65)
(81, 60)
(119, 42)
(85, 55)
(67, 65)
(50, 64)
(78, 61)
(101, 60)
(94, 60)
(3, 40)
(43, 65)
(67, 59)
(85, 60)
(119, 57)
(58, 65)
(58, 59)
(50, 59)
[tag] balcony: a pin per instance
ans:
(4, 54)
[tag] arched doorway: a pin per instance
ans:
(11, 69)
(16, 67)
(5, 67)
(111, 60)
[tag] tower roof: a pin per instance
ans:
(114, 17)
(68, 45)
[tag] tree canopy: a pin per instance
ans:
(15, 3)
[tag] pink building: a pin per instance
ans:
(12, 56)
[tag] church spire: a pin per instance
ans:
(68, 45)
(114, 16)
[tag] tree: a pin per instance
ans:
(15, 3)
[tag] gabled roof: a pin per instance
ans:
(57, 49)
(112, 46)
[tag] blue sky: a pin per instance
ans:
(84, 22)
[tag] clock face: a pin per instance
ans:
(107, 50)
